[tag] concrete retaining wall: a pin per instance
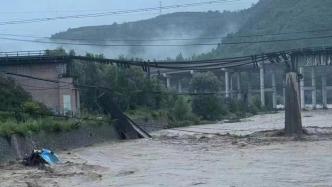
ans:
(16, 146)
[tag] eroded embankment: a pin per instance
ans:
(15, 147)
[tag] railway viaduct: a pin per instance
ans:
(313, 67)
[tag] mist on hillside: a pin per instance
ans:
(144, 52)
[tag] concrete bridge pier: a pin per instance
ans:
(274, 90)
(179, 86)
(227, 92)
(324, 90)
(284, 93)
(302, 89)
(293, 119)
(262, 84)
(168, 80)
(238, 84)
(314, 89)
(249, 96)
(231, 85)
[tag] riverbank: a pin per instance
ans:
(15, 146)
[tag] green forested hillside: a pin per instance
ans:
(266, 17)
(280, 16)
(175, 25)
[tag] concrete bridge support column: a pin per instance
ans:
(324, 90)
(249, 96)
(192, 72)
(293, 120)
(231, 88)
(238, 79)
(302, 88)
(314, 89)
(284, 94)
(179, 86)
(262, 84)
(274, 90)
(227, 83)
(168, 80)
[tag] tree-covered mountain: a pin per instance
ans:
(174, 25)
(290, 17)
(293, 18)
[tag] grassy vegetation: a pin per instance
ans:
(11, 127)
(147, 114)
(32, 125)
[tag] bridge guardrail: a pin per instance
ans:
(36, 53)
(22, 53)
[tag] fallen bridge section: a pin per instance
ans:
(126, 127)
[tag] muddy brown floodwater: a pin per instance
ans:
(184, 157)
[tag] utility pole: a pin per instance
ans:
(160, 8)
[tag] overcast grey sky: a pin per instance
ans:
(27, 9)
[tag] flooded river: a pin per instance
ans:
(187, 157)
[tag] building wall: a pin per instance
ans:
(51, 94)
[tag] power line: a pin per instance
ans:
(170, 39)
(279, 33)
(102, 14)
(109, 89)
(197, 38)
(277, 40)
(167, 45)
(111, 40)
(110, 45)
(41, 88)
(146, 65)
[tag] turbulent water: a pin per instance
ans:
(184, 157)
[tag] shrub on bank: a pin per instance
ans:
(47, 124)
(181, 114)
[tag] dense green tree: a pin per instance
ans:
(129, 87)
(179, 57)
(209, 107)
(12, 96)
(182, 109)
